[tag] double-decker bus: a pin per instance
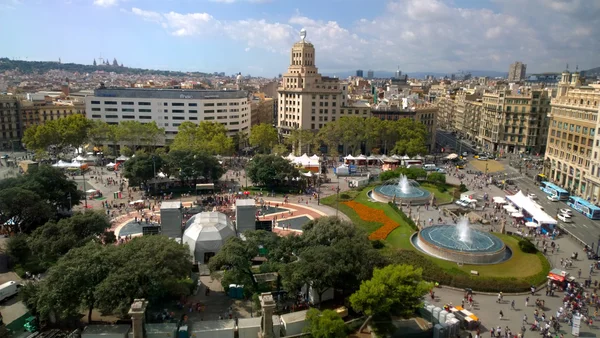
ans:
(588, 209)
(554, 190)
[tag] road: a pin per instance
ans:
(446, 139)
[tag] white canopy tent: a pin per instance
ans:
(451, 157)
(80, 158)
(122, 158)
(361, 157)
(532, 225)
(206, 233)
(499, 200)
(110, 165)
(304, 160)
(516, 215)
(532, 208)
(61, 164)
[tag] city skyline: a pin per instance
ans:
(253, 36)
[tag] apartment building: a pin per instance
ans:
(447, 111)
(515, 121)
(573, 146)
(517, 71)
(307, 100)
(33, 112)
(262, 109)
(10, 137)
(472, 118)
(169, 108)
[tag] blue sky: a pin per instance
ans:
(254, 36)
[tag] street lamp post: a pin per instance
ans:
(337, 200)
(84, 189)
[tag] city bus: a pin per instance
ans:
(554, 190)
(541, 178)
(588, 209)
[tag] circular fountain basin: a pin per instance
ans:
(391, 190)
(444, 241)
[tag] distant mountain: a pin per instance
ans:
(41, 67)
(593, 72)
(419, 75)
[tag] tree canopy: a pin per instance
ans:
(325, 324)
(190, 165)
(56, 136)
(111, 277)
(270, 170)
(142, 168)
(264, 137)
(394, 288)
(135, 134)
(205, 137)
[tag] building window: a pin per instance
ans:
(193, 118)
(112, 116)
(209, 111)
(95, 116)
(144, 103)
(177, 104)
(145, 110)
(128, 117)
(178, 118)
(209, 118)
(127, 103)
(209, 104)
(144, 117)
(95, 102)
(111, 109)
(110, 102)
(128, 110)
(193, 104)
(192, 111)
(178, 111)
(95, 109)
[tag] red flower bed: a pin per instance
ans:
(374, 215)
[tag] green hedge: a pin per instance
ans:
(405, 218)
(526, 246)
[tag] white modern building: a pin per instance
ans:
(171, 107)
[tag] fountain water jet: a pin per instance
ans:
(463, 229)
(404, 185)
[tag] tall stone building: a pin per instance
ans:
(572, 156)
(517, 71)
(10, 136)
(308, 100)
(515, 121)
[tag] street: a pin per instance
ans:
(446, 139)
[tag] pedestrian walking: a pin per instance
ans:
(501, 314)
(527, 302)
(525, 319)
(512, 304)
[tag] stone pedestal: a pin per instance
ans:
(138, 315)
(268, 305)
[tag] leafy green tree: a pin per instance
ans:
(70, 131)
(302, 140)
(142, 168)
(280, 150)
(135, 134)
(438, 178)
(395, 288)
(205, 137)
(264, 137)
(71, 285)
(22, 210)
(190, 166)
(102, 133)
(54, 239)
(270, 170)
(412, 138)
(150, 267)
(325, 324)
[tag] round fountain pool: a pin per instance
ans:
(402, 190)
(460, 244)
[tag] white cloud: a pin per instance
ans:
(234, 1)
(106, 3)
(420, 35)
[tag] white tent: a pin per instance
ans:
(206, 233)
(91, 191)
(499, 200)
(79, 158)
(406, 157)
(418, 157)
(122, 158)
(290, 157)
(315, 157)
(350, 158)
(61, 164)
(396, 157)
(451, 156)
(74, 164)
(307, 174)
(361, 157)
(532, 225)
(517, 215)
(532, 208)
(110, 165)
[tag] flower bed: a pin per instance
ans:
(374, 215)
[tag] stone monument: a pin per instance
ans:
(268, 305)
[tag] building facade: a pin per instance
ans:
(571, 159)
(370, 74)
(171, 107)
(359, 73)
(307, 100)
(447, 110)
(472, 119)
(517, 71)
(37, 113)
(515, 121)
(10, 136)
(262, 110)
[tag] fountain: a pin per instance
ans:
(460, 243)
(403, 189)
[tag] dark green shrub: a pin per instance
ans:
(344, 196)
(442, 187)
(388, 175)
(437, 178)
(405, 218)
(527, 247)
(463, 188)
(378, 244)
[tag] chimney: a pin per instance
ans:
(268, 304)
(64, 88)
(138, 314)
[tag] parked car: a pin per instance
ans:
(553, 198)
(532, 196)
(441, 170)
(8, 290)
(565, 211)
(462, 203)
(465, 154)
(460, 166)
(564, 217)
(482, 158)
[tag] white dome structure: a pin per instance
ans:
(206, 233)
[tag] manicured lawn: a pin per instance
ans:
(440, 197)
(399, 238)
